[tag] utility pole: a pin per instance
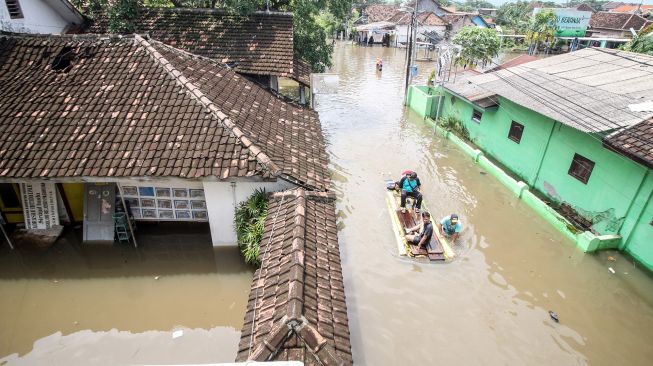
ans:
(410, 60)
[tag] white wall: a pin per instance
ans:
(221, 199)
(402, 29)
(39, 17)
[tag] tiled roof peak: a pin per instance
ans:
(201, 98)
(297, 310)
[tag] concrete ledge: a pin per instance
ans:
(587, 241)
(420, 99)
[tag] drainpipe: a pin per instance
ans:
(546, 149)
(641, 212)
(233, 194)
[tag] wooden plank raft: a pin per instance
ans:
(438, 249)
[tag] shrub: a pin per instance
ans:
(249, 221)
(455, 125)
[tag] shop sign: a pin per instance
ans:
(39, 205)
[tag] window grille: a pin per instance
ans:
(516, 131)
(14, 9)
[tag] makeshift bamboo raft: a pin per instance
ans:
(438, 249)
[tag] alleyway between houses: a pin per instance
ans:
(490, 305)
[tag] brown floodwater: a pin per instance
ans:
(175, 299)
(490, 305)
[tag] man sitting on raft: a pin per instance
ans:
(421, 234)
(450, 227)
(410, 185)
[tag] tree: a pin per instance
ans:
(479, 46)
(514, 16)
(643, 43)
(541, 28)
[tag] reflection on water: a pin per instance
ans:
(491, 305)
(77, 298)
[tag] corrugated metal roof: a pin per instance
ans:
(589, 90)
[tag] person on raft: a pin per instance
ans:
(421, 234)
(410, 185)
(450, 227)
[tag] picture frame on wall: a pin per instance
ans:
(200, 215)
(146, 191)
(197, 193)
(149, 214)
(162, 192)
(166, 214)
(180, 192)
(198, 205)
(183, 214)
(181, 205)
(147, 202)
(130, 191)
(164, 204)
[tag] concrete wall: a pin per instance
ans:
(223, 197)
(39, 17)
(617, 196)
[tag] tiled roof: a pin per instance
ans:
(590, 90)
(379, 13)
(302, 72)
(121, 109)
(519, 60)
(426, 18)
(260, 44)
(290, 135)
(297, 309)
(635, 142)
(621, 21)
(632, 8)
(584, 7)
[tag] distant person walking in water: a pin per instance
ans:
(410, 185)
(450, 227)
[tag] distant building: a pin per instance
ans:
(581, 136)
(633, 9)
(377, 13)
(39, 16)
(259, 46)
(426, 22)
(181, 137)
(615, 25)
(431, 6)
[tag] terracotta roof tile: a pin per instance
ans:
(379, 12)
(296, 309)
(122, 101)
(260, 44)
(636, 142)
(621, 21)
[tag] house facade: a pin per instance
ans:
(39, 16)
(548, 123)
(615, 25)
(177, 137)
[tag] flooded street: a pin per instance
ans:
(106, 305)
(490, 305)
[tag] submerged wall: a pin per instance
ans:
(617, 196)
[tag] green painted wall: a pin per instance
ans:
(611, 188)
(618, 194)
(421, 99)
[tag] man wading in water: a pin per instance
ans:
(422, 232)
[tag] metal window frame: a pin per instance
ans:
(579, 170)
(480, 115)
(516, 126)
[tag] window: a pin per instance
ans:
(453, 100)
(14, 9)
(581, 168)
(516, 130)
(476, 116)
